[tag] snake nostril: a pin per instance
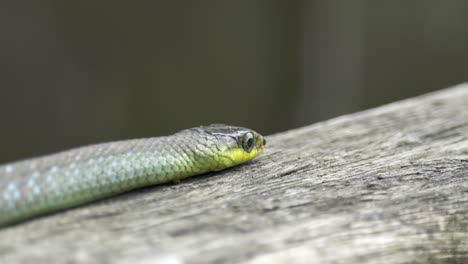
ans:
(264, 142)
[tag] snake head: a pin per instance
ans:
(230, 145)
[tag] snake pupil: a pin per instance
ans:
(250, 143)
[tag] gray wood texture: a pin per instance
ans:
(387, 185)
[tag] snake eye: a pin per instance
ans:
(248, 142)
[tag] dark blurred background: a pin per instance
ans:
(81, 72)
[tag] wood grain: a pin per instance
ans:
(387, 185)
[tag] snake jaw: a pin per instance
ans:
(234, 153)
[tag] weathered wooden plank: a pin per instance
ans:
(387, 185)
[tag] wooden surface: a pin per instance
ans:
(388, 185)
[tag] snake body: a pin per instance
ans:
(67, 179)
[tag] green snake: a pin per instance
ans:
(71, 178)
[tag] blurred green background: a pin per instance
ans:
(81, 72)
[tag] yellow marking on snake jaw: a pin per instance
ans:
(236, 156)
